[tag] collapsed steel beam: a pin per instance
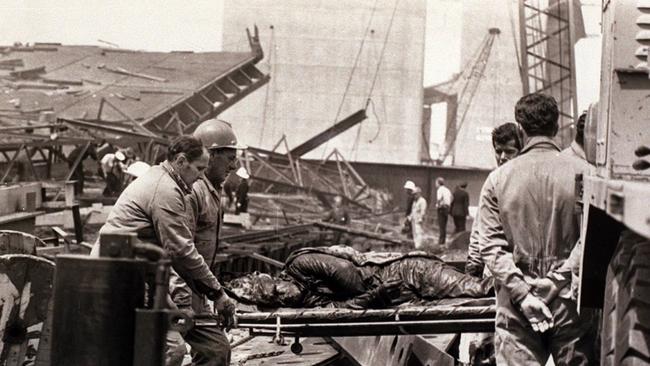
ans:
(364, 233)
(329, 133)
(264, 234)
(314, 191)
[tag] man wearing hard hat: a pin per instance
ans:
(209, 344)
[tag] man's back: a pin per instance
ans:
(444, 196)
(460, 203)
(134, 210)
(536, 205)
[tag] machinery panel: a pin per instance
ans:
(624, 90)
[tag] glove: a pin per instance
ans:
(225, 308)
(383, 295)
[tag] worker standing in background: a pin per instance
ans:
(576, 149)
(418, 212)
(527, 230)
(507, 143)
(338, 215)
(210, 345)
(242, 191)
(443, 201)
(229, 187)
(407, 228)
(113, 168)
(460, 208)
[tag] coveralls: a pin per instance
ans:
(528, 227)
(209, 344)
(418, 211)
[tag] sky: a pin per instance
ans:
(148, 25)
(172, 25)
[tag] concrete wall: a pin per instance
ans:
(310, 52)
(500, 87)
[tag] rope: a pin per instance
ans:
(374, 112)
(354, 67)
(355, 146)
(514, 36)
(271, 83)
(381, 55)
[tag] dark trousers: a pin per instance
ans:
(443, 212)
(113, 185)
(241, 207)
(210, 346)
(459, 223)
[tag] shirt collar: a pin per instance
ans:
(176, 177)
(540, 142)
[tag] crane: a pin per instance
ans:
(548, 32)
(459, 91)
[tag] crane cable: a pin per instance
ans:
(486, 49)
(383, 52)
(514, 37)
(354, 67)
(272, 83)
(375, 78)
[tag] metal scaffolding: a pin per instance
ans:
(547, 31)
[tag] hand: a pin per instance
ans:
(386, 292)
(537, 313)
(187, 310)
(225, 308)
(544, 288)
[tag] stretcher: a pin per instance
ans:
(459, 316)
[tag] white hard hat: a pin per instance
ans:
(138, 168)
(120, 156)
(409, 185)
(242, 173)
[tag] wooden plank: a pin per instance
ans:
(62, 82)
(364, 233)
(123, 71)
(28, 73)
